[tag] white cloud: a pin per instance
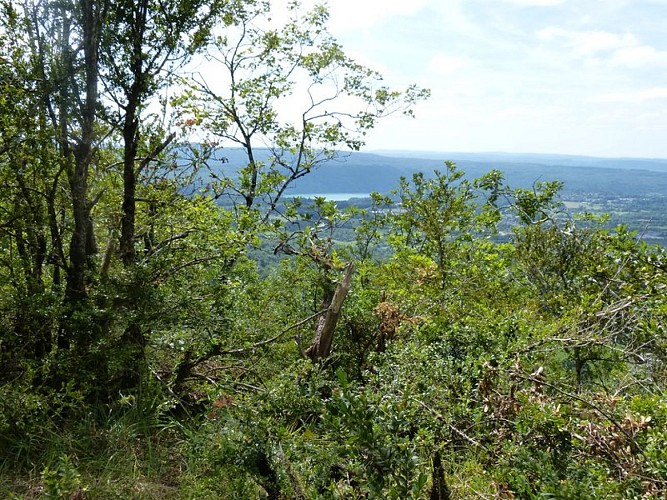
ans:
(551, 33)
(594, 78)
(531, 112)
(593, 42)
(618, 50)
(349, 15)
(632, 96)
(443, 64)
(588, 43)
(641, 55)
(353, 15)
(535, 3)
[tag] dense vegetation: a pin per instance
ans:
(146, 352)
(629, 192)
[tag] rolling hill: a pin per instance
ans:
(381, 171)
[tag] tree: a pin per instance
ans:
(291, 99)
(52, 60)
(439, 213)
(71, 100)
(144, 43)
(84, 159)
(69, 68)
(30, 233)
(290, 89)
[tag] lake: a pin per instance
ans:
(330, 196)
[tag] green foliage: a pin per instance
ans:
(490, 344)
(267, 67)
(61, 482)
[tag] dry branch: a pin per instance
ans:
(321, 346)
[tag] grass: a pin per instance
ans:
(132, 451)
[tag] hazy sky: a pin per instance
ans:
(548, 76)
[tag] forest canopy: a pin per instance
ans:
(175, 326)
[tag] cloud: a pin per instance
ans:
(588, 43)
(618, 50)
(349, 15)
(641, 55)
(560, 75)
(542, 112)
(443, 64)
(594, 42)
(535, 3)
(632, 96)
(353, 15)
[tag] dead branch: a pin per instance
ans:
(321, 346)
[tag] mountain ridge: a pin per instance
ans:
(360, 172)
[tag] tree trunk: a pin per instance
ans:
(82, 244)
(78, 180)
(134, 95)
(439, 488)
(326, 327)
(127, 251)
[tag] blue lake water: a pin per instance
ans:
(330, 196)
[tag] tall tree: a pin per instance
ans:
(288, 88)
(27, 200)
(54, 52)
(144, 42)
(291, 99)
(83, 148)
(72, 101)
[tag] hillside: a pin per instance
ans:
(368, 172)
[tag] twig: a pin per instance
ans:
(602, 412)
(171, 239)
(163, 276)
(156, 152)
(443, 420)
(276, 337)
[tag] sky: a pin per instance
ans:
(581, 77)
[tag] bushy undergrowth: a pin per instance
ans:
(461, 368)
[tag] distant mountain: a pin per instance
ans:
(381, 171)
(653, 164)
